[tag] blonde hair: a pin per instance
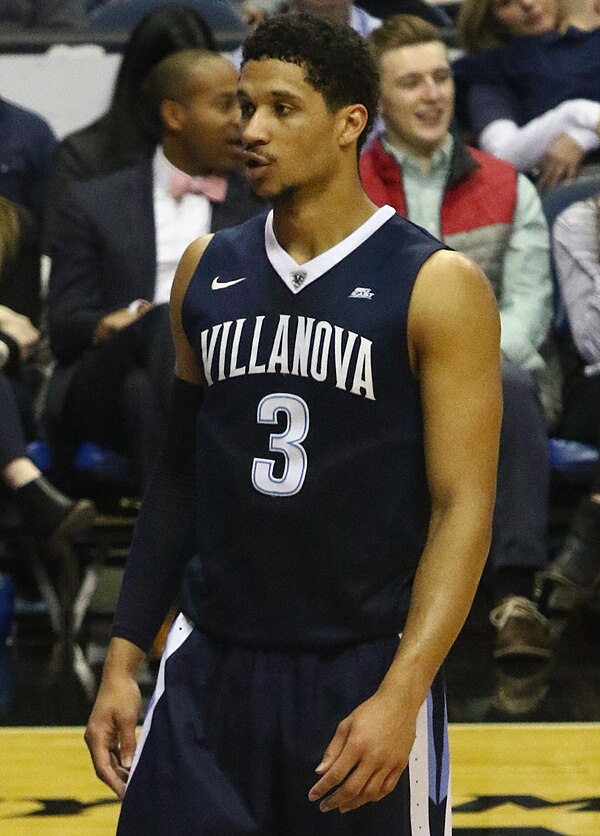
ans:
(402, 30)
(478, 27)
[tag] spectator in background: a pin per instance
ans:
(47, 511)
(124, 15)
(126, 133)
(435, 14)
(529, 90)
(117, 242)
(27, 143)
(363, 18)
(337, 11)
(43, 14)
(576, 241)
(480, 206)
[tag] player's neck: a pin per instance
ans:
(307, 225)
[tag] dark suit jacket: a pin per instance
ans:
(103, 254)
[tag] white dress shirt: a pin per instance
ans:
(177, 224)
(575, 237)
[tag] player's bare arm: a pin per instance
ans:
(186, 367)
(110, 733)
(454, 337)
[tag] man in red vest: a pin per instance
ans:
(481, 206)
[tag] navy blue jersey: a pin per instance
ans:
(313, 504)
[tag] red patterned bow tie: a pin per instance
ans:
(212, 187)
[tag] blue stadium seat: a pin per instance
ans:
(40, 454)
(89, 458)
(572, 457)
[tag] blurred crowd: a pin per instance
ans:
(472, 144)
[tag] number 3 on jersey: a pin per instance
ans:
(288, 443)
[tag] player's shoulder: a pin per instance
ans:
(451, 287)
(187, 267)
(448, 270)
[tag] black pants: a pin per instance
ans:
(16, 420)
(119, 395)
(581, 415)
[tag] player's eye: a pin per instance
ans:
(247, 109)
(282, 109)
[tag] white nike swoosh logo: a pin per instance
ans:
(217, 285)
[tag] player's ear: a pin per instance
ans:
(353, 119)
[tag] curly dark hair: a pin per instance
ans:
(337, 62)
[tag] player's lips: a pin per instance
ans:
(254, 160)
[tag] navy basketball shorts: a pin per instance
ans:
(233, 735)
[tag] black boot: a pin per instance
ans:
(51, 514)
(575, 570)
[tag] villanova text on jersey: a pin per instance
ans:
(312, 498)
(325, 352)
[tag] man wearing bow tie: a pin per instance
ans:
(118, 241)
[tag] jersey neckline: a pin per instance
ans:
(298, 276)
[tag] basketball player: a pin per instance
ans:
(327, 483)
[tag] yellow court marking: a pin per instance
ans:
(527, 776)
(503, 775)
(46, 772)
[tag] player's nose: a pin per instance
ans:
(255, 129)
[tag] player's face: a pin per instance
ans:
(417, 96)
(525, 17)
(210, 118)
(289, 134)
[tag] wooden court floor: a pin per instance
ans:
(522, 780)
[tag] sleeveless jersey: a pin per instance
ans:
(313, 504)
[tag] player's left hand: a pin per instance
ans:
(367, 755)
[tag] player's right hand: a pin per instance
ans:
(110, 732)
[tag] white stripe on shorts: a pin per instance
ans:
(418, 772)
(179, 632)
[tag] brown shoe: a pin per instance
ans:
(521, 629)
(78, 519)
(521, 692)
(52, 515)
(572, 578)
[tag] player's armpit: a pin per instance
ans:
(185, 361)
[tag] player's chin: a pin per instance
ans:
(263, 188)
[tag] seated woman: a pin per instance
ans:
(576, 237)
(529, 87)
(125, 133)
(47, 511)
